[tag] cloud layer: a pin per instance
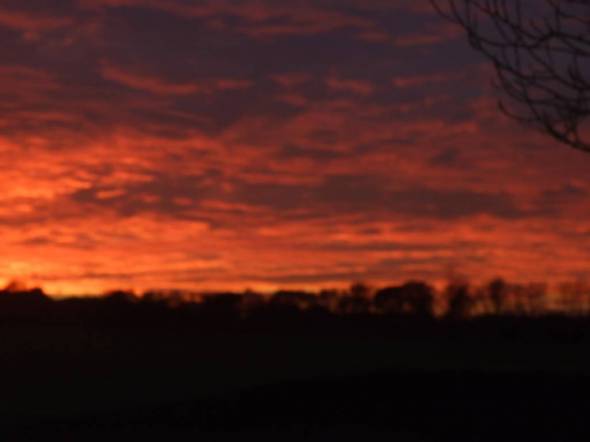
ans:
(231, 144)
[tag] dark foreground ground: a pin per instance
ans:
(386, 406)
(485, 380)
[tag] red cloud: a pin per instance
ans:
(30, 22)
(291, 79)
(159, 86)
(358, 87)
(148, 83)
(421, 80)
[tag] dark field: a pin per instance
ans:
(123, 369)
(114, 382)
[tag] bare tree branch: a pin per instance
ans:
(541, 52)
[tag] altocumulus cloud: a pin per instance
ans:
(258, 143)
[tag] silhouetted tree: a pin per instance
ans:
(517, 297)
(411, 298)
(497, 295)
(33, 295)
(574, 297)
(251, 299)
(541, 52)
(222, 303)
(153, 297)
(119, 297)
(328, 299)
(389, 300)
(18, 301)
(535, 296)
(299, 299)
(357, 300)
(360, 291)
(460, 302)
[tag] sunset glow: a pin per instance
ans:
(250, 144)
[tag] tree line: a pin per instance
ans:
(457, 300)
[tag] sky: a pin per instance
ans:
(264, 144)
